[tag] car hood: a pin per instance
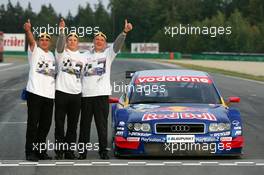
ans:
(177, 113)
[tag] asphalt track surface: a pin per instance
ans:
(13, 118)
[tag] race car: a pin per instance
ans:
(175, 113)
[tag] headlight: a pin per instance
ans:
(130, 126)
(215, 127)
(137, 126)
(144, 127)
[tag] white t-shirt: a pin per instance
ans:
(70, 66)
(96, 75)
(41, 79)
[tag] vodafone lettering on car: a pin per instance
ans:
(152, 79)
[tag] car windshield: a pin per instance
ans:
(173, 92)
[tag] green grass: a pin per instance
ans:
(216, 70)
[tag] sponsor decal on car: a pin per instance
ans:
(235, 122)
(120, 128)
(219, 134)
(183, 115)
(237, 128)
(226, 139)
(238, 133)
(180, 138)
(133, 139)
(121, 123)
(206, 139)
(139, 134)
(192, 79)
(119, 133)
(151, 139)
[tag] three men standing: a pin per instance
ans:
(82, 82)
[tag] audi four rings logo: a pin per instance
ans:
(178, 128)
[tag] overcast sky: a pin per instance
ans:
(60, 6)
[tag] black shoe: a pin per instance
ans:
(82, 156)
(44, 156)
(59, 155)
(69, 155)
(32, 157)
(104, 155)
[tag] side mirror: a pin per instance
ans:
(113, 100)
(129, 74)
(233, 100)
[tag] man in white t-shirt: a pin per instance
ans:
(96, 88)
(68, 92)
(40, 92)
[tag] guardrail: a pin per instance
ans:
(229, 57)
(165, 55)
(15, 53)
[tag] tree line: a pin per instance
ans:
(151, 17)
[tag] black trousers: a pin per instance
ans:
(99, 108)
(39, 119)
(70, 105)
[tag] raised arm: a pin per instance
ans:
(62, 38)
(30, 38)
(119, 42)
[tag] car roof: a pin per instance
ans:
(172, 72)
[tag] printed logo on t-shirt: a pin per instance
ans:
(96, 67)
(72, 67)
(46, 67)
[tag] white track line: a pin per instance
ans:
(209, 162)
(99, 163)
(64, 163)
(12, 123)
(155, 164)
(172, 163)
(136, 163)
(244, 162)
(28, 163)
(119, 164)
(82, 164)
(192, 164)
(9, 164)
(228, 164)
(47, 164)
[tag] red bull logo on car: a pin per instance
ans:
(179, 115)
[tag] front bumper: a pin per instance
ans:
(142, 146)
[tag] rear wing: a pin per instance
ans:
(130, 74)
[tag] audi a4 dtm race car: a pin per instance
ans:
(175, 113)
